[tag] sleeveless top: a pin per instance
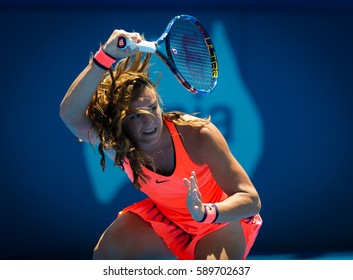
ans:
(169, 192)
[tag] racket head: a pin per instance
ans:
(192, 54)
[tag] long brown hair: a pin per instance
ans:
(108, 109)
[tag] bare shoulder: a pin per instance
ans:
(202, 129)
(201, 139)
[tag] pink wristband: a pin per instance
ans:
(211, 213)
(103, 60)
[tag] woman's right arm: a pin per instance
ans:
(75, 102)
(73, 106)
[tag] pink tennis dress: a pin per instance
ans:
(165, 208)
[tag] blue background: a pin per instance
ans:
(283, 102)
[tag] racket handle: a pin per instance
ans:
(144, 46)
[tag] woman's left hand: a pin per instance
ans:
(194, 199)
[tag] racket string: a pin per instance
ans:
(191, 55)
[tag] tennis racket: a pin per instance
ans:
(189, 53)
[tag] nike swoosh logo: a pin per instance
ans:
(161, 181)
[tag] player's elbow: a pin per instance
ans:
(66, 117)
(64, 113)
(253, 202)
(256, 203)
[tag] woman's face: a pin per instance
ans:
(144, 123)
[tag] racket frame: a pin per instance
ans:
(169, 61)
(154, 47)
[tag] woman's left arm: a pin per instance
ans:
(243, 200)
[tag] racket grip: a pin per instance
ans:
(123, 43)
(144, 46)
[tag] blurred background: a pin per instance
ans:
(283, 101)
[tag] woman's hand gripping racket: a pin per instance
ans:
(189, 53)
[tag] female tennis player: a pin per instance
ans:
(201, 203)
